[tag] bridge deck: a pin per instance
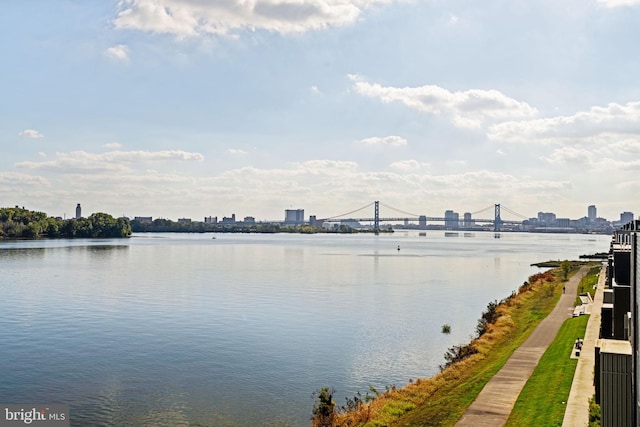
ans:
(414, 219)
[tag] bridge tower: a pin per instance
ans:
(497, 222)
(376, 216)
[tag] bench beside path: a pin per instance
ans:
(582, 388)
(493, 405)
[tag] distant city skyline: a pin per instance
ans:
(298, 216)
(183, 108)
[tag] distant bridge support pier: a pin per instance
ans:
(376, 216)
(497, 222)
(422, 221)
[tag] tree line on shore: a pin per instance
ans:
(18, 223)
(161, 225)
(21, 223)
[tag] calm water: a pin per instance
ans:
(241, 329)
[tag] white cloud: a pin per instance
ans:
(326, 167)
(624, 147)
(20, 179)
(613, 165)
(117, 53)
(322, 187)
(597, 124)
(190, 18)
(392, 140)
(407, 187)
(468, 109)
(235, 152)
(570, 155)
(145, 156)
(112, 145)
(593, 161)
(31, 133)
(112, 161)
(409, 166)
(618, 3)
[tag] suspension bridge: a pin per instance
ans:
(450, 220)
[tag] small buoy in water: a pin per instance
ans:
(398, 247)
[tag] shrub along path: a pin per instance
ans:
(494, 403)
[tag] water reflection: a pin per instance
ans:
(13, 251)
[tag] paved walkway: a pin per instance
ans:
(582, 388)
(493, 405)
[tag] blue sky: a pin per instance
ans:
(191, 108)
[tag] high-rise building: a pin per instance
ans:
(451, 219)
(546, 218)
(592, 213)
(294, 216)
(229, 220)
(467, 221)
(78, 211)
(626, 217)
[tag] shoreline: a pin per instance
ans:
(445, 397)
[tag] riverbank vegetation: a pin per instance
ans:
(557, 263)
(20, 223)
(588, 282)
(442, 399)
(167, 226)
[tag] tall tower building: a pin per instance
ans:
(451, 219)
(626, 217)
(592, 213)
(78, 211)
(294, 216)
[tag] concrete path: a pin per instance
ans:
(493, 405)
(582, 388)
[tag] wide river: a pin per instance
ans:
(240, 330)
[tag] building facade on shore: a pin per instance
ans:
(617, 358)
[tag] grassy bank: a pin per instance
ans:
(543, 399)
(442, 399)
(588, 282)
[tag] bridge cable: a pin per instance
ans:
(483, 210)
(513, 212)
(349, 213)
(398, 210)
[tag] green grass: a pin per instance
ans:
(542, 401)
(588, 282)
